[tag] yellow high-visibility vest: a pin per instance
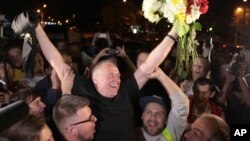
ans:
(167, 135)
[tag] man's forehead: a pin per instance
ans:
(83, 112)
(154, 106)
(203, 87)
(203, 126)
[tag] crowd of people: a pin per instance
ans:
(82, 92)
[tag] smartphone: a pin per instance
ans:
(113, 52)
(102, 35)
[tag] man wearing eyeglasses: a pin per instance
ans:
(74, 118)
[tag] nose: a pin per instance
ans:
(200, 96)
(93, 118)
(152, 116)
(116, 76)
(42, 105)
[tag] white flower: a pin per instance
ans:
(154, 10)
(171, 8)
(150, 9)
(194, 15)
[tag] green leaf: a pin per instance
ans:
(197, 26)
(181, 28)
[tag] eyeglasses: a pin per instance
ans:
(91, 118)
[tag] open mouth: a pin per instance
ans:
(115, 84)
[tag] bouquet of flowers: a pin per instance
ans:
(183, 15)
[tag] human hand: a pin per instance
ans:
(67, 82)
(104, 52)
(242, 68)
(184, 85)
(229, 77)
(4, 98)
(234, 57)
(23, 83)
(156, 74)
(121, 51)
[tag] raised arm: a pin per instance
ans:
(244, 84)
(155, 58)
(51, 54)
(177, 118)
(168, 84)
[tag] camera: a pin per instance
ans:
(236, 66)
(113, 52)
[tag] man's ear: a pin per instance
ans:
(72, 130)
(94, 81)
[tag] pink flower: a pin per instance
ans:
(203, 4)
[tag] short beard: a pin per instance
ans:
(158, 131)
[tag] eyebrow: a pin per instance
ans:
(86, 120)
(197, 129)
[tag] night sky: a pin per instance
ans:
(89, 8)
(88, 11)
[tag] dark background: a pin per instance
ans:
(89, 14)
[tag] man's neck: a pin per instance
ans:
(148, 137)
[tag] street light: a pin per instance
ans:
(238, 13)
(238, 10)
(41, 11)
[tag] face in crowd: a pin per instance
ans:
(32, 98)
(206, 128)
(37, 106)
(198, 68)
(106, 78)
(74, 118)
(82, 124)
(202, 94)
(154, 118)
(15, 54)
(29, 128)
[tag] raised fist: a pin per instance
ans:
(25, 22)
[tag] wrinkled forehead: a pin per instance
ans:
(105, 67)
(204, 126)
(153, 106)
